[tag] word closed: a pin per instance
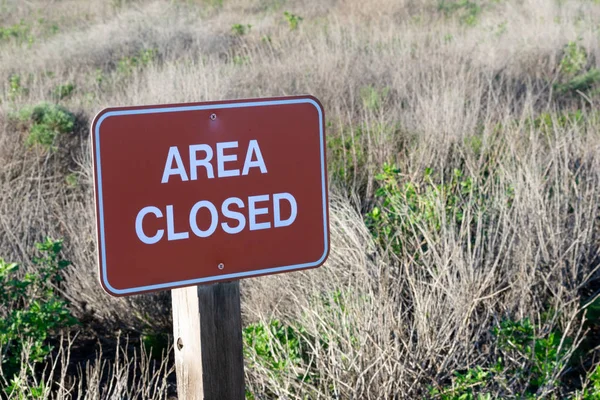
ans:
(194, 193)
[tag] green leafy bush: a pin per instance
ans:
(574, 77)
(592, 391)
(19, 33)
(279, 350)
(465, 386)
(275, 346)
(542, 352)
(48, 121)
(580, 83)
(32, 313)
(405, 206)
(467, 11)
(63, 91)
(293, 20)
(574, 59)
(240, 29)
(72, 180)
(525, 356)
(16, 87)
(127, 65)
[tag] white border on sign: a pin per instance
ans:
(219, 277)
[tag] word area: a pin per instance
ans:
(176, 166)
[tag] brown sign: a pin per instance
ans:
(204, 192)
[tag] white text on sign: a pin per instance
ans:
(229, 216)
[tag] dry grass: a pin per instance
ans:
(128, 373)
(401, 82)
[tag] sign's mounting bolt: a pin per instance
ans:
(213, 116)
(221, 266)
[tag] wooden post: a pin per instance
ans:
(188, 351)
(207, 327)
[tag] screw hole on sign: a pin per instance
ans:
(213, 116)
(221, 266)
(179, 344)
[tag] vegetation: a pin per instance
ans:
(464, 173)
(127, 65)
(63, 91)
(19, 32)
(274, 346)
(575, 77)
(46, 123)
(34, 312)
(467, 10)
(16, 88)
(540, 357)
(293, 20)
(240, 30)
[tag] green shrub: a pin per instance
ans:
(592, 391)
(240, 29)
(574, 77)
(467, 11)
(16, 88)
(33, 312)
(293, 20)
(23, 390)
(72, 180)
(275, 346)
(63, 91)
(574, 59)
(127, 65)
(525, 357)
(542, 352)
(580, 83)
(48, 121)
(405, 207)
(19, 33)
(279, 350)
(465, 386)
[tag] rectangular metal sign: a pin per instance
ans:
(203, 192)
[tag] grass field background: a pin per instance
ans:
(464, 169)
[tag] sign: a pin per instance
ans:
(204, 192)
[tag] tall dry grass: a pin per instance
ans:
(402, 82)
(131, 372)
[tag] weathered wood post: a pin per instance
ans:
(207, 328)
